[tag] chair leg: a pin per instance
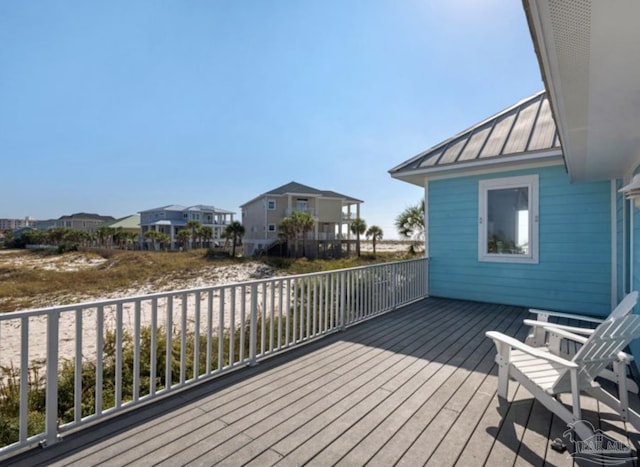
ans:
(503, 381)
(573, 418)
(619, 375)
(502, 359)
(626, 413)
(623, 394)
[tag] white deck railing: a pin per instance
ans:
(92, 360)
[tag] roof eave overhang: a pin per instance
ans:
(515, 162)
(588, 57)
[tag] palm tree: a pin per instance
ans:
(56, 235)
(152, 235)
(235, 230)
(206, 234)
(286, 232)
(302, 223)
(164, 239)
(183, 237)
(195, 227)
(410, 224)
(120, 237)
(358, 227)
(105, 236)
(375, 233)
(130, 239)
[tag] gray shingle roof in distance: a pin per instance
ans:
(300, 189)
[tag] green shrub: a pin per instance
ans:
(68, 246)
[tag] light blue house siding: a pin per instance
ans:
(574, 268)
(634, 256)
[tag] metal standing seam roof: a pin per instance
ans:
(526, 127)
(128, 222)
(197, 208)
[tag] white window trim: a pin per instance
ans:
(271, 227)
(275, 204)
(528, 181)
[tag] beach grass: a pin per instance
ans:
(33, 279)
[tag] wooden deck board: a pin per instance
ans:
(414, 387)
(431, 372)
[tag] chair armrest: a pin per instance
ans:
(566, 334)
(624, 357)
(558, 314)
(550, 326)
(516, 344)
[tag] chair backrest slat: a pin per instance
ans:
(625, 306)
(603, 346)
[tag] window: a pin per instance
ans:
(272, 227)
(271, 204)
(302, 205)
(508, 220)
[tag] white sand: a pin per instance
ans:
(11, 330)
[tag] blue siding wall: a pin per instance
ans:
(574, 270)
(635, 279)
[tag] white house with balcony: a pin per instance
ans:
(332, 213)
(173, 218)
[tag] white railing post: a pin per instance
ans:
(51, 412)
(253, 325)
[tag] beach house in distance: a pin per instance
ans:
(172, 218)
(534, 206)
(332, 214)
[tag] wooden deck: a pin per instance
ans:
(416, 386)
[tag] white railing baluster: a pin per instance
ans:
(243, 315)
(263, 318)
(209, 330)
(295, 310)
(137, 338)
(332, 298)
(272, 315)
(169, 343)
(221, 299)
(77, 386)
(327, 302)
(183, 339)
(119, 345)
(99, 358)
(153, 364)
(232, 328)
(290, 321)
(308, 307)
(280, 305)
(253, 323)
(24, 379)
(51, 411)
(196, 337)
(342, 298)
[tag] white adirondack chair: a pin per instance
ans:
(541, 335)
(545, 375)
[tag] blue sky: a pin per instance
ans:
(115, 107)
